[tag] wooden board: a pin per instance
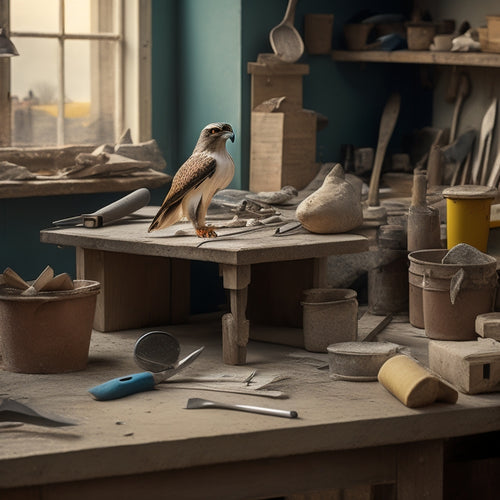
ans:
(277, 80)
(136, 291)
(282, 150)
(419, 57)
(347, 433)
(249, 247)
(54, 187)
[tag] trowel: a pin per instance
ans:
(155, 351)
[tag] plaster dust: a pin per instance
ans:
(153, 431)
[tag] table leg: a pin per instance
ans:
(235, 326)
(420, 471)
(320, 272)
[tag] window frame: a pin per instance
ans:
(133, 109)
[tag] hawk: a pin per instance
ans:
(209, 169)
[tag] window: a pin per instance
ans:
(65, 87)
(82, 76)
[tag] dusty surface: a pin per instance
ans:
(153, 431)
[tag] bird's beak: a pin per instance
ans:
(230, 135)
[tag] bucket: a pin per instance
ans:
(318, 31)
(330, 315)
(418, 262)
(452, 295)
(468, 215)
(48, 332)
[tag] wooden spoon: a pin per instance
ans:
(387, 124)
(286, 41)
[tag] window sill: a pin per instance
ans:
(29, 188)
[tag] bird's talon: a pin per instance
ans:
(206, 232)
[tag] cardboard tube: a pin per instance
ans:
(412, 384)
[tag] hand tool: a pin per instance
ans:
(14, 411)
(285, 40)
(110, 213)
(138, 382)
(196, 403)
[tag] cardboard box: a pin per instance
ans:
(282, 150)
(472, 366)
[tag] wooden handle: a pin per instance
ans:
(387, 124)
(290, 12)
(419, 190)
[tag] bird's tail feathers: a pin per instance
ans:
(167, 217)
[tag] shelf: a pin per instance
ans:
(28, 188)
(420, 57)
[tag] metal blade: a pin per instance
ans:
(13, 411)
(180, 365)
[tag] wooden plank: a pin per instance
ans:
(419, 57)
(276, 80)
(54, 187)
(135, 290)
(255, 68)
(420, 471)
(233, 481)
(250, 247)
(282, 150)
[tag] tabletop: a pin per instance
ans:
(154, 431)
(238, 246)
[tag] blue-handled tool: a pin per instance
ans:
(139, 382)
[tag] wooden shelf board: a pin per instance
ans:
(28, 188)
(486, 59)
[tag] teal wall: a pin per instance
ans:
(200, 53)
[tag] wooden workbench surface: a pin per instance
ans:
(248, 247)
(153, 431)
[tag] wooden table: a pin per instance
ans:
(149, 446)
(143, 274)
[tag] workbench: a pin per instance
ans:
(149, 445)
(144, 276)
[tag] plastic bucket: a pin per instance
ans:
(48, 332)
(468, 215)
(453, 294)
(330, 315)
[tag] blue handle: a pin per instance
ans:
(124, 386)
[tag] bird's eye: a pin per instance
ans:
(214, 130)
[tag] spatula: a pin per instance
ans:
(197, 403)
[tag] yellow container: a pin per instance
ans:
(468, 215)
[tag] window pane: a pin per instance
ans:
(90, 84)
(87, 16)
(77, 16)
(34, 15)
(34, 92)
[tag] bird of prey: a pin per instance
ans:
(209, 169)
